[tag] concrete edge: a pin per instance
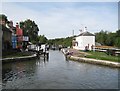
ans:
(95, 61)
(18, 58)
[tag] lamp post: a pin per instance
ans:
(27, 38)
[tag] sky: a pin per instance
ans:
(59, 19)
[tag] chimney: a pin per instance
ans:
(85, 29)
(17, 26)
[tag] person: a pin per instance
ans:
(47, 47)
(47, 52)
(67, 52)
(86, 48)
(92, 47)
(44, 50)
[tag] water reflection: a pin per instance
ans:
(57, 73)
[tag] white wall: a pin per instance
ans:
(84, 41)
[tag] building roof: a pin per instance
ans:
(86, 34)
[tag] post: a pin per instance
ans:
(73, 32)
(47, 55)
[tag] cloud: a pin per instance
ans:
(60, 20)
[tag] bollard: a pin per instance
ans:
(44, 54)
(47, 55)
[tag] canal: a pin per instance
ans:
(57, 73)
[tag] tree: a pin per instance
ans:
(31, 29)
(117, 39)
(3, 17)
(42, 39)
(118, 33)
(110, 41)
(101, 37)
(117, 42)
(108, 38)
(65, 42)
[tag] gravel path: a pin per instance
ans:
(77, 53)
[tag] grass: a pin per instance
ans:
(15, 54)
(103, 56)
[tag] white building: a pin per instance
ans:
(84, 41)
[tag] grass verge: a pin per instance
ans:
(11, 54)
(103, 56)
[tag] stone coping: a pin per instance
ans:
(96, 61)
(18, 58)
(92, 61)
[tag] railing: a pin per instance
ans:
(108, 49)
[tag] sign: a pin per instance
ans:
(25, 38)
(14, 42)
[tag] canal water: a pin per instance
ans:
(57, 73)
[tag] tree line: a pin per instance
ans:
(65, 42)
(108, 38)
